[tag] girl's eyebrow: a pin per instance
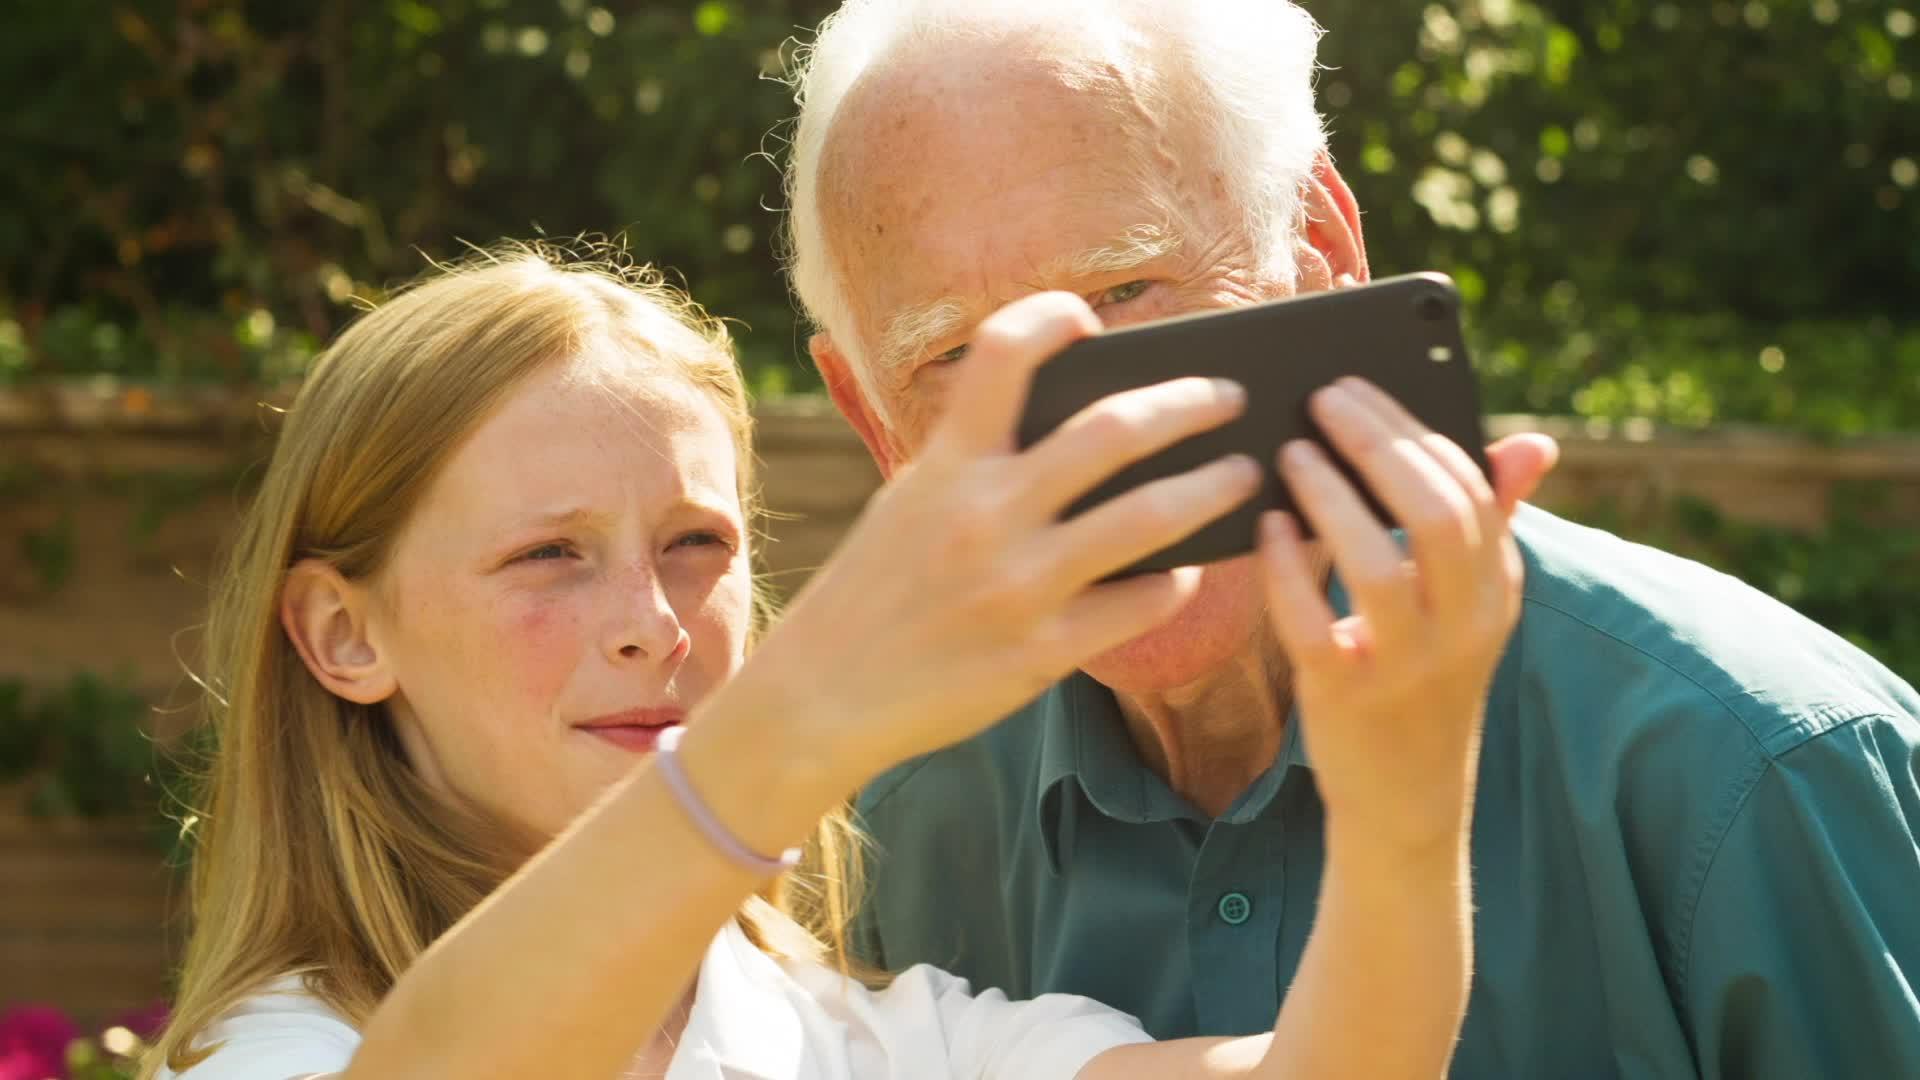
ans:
(560, 516)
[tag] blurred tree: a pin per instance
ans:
(1693, 211)
(198, 189)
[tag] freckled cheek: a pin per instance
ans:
(541, 642)
(716, 620)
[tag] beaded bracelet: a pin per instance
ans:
(717, 833)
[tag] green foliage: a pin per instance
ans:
(198, 191)
(49, 552)
(1856, 576)
(81, 749)
(1690, 211)
(157, 496)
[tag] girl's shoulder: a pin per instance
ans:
(279, 1032)
(924, 1023)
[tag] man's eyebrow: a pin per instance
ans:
(1141, 245)
(910, 329)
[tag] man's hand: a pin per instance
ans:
(1392, 696)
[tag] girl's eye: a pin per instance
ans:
(546, 553)
(699, 539)
(1121, 293)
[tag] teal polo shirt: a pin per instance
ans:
(1694, 849)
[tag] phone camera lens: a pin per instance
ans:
(1432, 307)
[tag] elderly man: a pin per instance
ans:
(1694, 842)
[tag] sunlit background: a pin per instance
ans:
(1689, 234)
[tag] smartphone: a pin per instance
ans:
(1402, 334)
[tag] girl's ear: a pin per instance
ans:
(326, 618)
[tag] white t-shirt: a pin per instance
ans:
(754, 1018)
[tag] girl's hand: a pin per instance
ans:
(960, 594)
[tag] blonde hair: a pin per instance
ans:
(317, 850)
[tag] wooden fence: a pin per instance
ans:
(113, 504)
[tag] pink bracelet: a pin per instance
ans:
(717, 833)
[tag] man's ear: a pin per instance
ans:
(1333, 224)
(852, 402)
(327, 619)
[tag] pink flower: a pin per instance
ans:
(33, 1043)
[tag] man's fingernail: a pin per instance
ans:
(1230, 391)
(1273, 526)
(1336, 398)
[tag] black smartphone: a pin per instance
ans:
(1402, 334)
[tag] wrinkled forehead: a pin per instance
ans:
(966, 171)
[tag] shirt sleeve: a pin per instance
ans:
(277, 1037)
(1805, 947)
(987, 1037)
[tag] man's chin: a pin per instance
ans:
(1215, 628)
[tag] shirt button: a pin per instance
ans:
(1235, 908)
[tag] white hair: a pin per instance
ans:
(1245, 71)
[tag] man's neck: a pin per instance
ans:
(1209, 740)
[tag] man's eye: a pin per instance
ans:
(1121, 293)
(950, 355)
(546, 553)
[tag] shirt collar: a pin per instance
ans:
(744, 1024)
(1095, 751)
(1088, 763)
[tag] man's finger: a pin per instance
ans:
(1116, 612)
(1118, 430)
(1371, 564)
(1133, 525)
(1449, 514)
(1519, 463)
(1444, 450)
(1422, 493)
(1006, 349)
(1302, 618)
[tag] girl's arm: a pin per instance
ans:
(957, 596)
(569, 968)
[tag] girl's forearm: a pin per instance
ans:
(569, 968)
(1380, 991)
(1382, 986)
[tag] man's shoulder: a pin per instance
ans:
(1644, 703)
(1633, 629)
